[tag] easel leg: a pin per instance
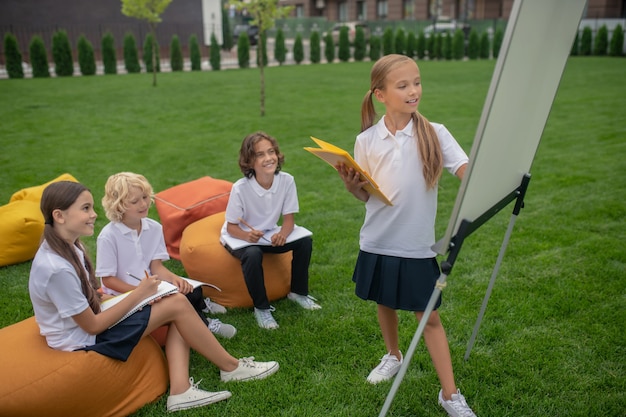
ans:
(492, 281)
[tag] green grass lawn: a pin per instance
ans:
(552, 341)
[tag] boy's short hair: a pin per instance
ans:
(247, 154)
(116, 191)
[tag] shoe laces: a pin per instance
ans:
(194, 385)
(266, 315)
(247, 362)
(388, 361)
(214, 325)
(459, 404)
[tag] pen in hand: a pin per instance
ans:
(252, 228)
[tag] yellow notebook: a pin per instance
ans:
(335, 155)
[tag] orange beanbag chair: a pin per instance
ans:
(21, 224)
(205, 259)
(183, 204)
(39, 381)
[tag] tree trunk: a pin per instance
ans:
(260, 53)
(154, 54)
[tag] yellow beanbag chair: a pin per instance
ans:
(21, 224)
(206, 260)
(39, 381)
(185, 203)
(34, 193)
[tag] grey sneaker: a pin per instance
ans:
(212, 307)
(265, 319)
(456, 406)
(249, 370)
(305, 301)
(387, 368)
(194, 397)
(222, 329)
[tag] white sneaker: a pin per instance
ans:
(456, 406)
(194, 397)
(265, 319)
(212, 307)
(387, 368)
(222, 329)
(305, 301)
(248, 370)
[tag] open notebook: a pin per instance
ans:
(298, 233)
(164, 289)
(335, 155)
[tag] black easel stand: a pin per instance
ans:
(465, 229)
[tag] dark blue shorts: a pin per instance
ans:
(398, 283)
(119, 341)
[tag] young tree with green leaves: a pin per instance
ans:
(215, 57)
(261, 52)
(399, 42)
(39, 58)
(458, 45)
(601, 44)
(585, 41)
(298, 49)
(150, 11)
(329, 48)
(176, 54)
(485, 47)
(374, 48)
(411, 44)
(314, 45)
(13, 57)
(194, 52)
(344, 44)
(264, 14)
(86, 58)
(131, 56)
(473, 45)
(388, 41)
(62, 54)
(109, 57)
(227, 36)
(243, 50)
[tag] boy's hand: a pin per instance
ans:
(254, 235)
(183, 286)
(278, 239)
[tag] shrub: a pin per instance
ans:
(388, 41)
(411, 45)
(109, 57)
(484, 46)
(575, 50)
(360, 46)
(344, 44)
(601, 44)
(86, 59)
(280, 52)
(399, 42)
(227, 36)
(176, 54)
(298, 49)
(616, 48)
(498, 36)
(315, 49)
(215, 58)
(148, 46)
(446, 46)
(473, 45)
(329, 48)
(243, 50)
(39, 58)
(420, 45)
(458, 45)
(585, 42)
(430, 46)
(194, 52)
(62, 54)
(437, 45)
(374, 48)
(131, 57)
(13, 57)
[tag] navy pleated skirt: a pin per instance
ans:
(119, 341)
(398, 283)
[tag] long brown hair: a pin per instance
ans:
(427, 142)
(60, 196)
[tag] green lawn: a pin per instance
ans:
(552, 341)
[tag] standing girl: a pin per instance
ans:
(63, 290)
(396, 267)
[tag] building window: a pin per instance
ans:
(299, 10)
(361, 11)
(407, 9)
(342, 11)
(381, 9)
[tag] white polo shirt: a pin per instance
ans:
(56, 294)
(259, 207)
(406, 229)
(120, 250)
